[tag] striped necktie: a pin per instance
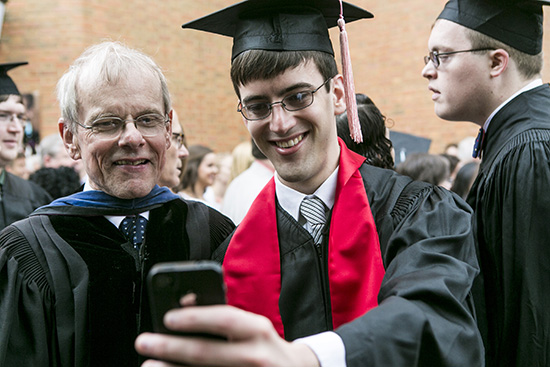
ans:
(313, 210)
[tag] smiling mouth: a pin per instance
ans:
(289, 143)
(131, 163)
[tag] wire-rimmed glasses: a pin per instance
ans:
(434, 56)
(149, 124)
(179, 139)
(294, 102)
(6, 117)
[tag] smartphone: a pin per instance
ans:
(168, 282)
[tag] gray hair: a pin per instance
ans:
(50, 145)
(104, 63)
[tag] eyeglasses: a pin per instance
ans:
(294, 102)
(179, 139)
(434, 56)
(7, 117)
(109, 127)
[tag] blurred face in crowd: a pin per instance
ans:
(461, 81)
(208, 169)
(60, 159)
(12, 120)
(302, 145)
(127, 165)
(173, 167)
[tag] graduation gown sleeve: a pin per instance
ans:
(21, 300)
(513, 232)
(38, 327)
(424, 317)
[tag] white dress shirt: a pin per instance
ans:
(327, 346)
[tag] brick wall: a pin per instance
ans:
(387, 54)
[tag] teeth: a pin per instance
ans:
(130, 163)
(289, 143)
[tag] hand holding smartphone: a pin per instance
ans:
(201, 281)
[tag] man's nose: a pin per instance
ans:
(429, 71)
(281, 120)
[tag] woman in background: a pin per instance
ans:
(200, 172)
(214, 194)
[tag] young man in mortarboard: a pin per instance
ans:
(72, 274)
(365, 267)
(18, 197)
(485, 66)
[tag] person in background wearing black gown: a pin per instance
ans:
(72, 274)
(382, 280)
(484, 66)
(18, 197)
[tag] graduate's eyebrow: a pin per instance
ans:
(302, 86)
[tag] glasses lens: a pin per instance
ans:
(108, 126)
(6, 118)
(435, 58)
(298, 101)
(150, 124)
(256, 111)
(177, 139)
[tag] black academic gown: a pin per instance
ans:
(19, 198)
(424, 317)
(511, 201)
(74, 295)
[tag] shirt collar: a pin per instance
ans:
(535, 83)
(115, 219)
(290, 199)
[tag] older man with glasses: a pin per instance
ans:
(72, 289)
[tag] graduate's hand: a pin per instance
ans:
(252, 341)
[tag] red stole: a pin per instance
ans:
(252, 262)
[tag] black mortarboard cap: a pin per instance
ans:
(278, 25)
(517, 23)
(7, 86)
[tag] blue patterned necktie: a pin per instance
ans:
(133, 228)
(313, 210)
(478, 146)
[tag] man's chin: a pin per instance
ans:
(445, 115)
(131, 191)
(7, 157)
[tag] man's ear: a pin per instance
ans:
(339, 95)
(70, 140)
(499, 61)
